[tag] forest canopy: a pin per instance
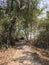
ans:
(23, 19)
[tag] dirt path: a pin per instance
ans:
(23, 55)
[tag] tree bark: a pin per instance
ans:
(9, 30)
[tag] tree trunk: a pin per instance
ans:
(12, 5)
(9, 30)
(26, 34)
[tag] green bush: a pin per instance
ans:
(42, 40)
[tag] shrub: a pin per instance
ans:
(42, 40)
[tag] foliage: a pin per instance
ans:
(42, 40)
(19, 18)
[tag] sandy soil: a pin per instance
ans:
(24, 55)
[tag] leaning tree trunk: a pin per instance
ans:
(9, 30)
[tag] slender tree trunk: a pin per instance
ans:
(9, 30)
(11, 5)
(26, 34)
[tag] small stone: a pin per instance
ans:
(27, 62)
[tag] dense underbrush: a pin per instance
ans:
(42, 40)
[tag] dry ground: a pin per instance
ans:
(24, 55)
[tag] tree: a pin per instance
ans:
(29, 11)
(19, 10)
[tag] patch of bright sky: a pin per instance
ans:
(41, 5)
(2, 2)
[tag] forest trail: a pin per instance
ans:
(23, 55)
